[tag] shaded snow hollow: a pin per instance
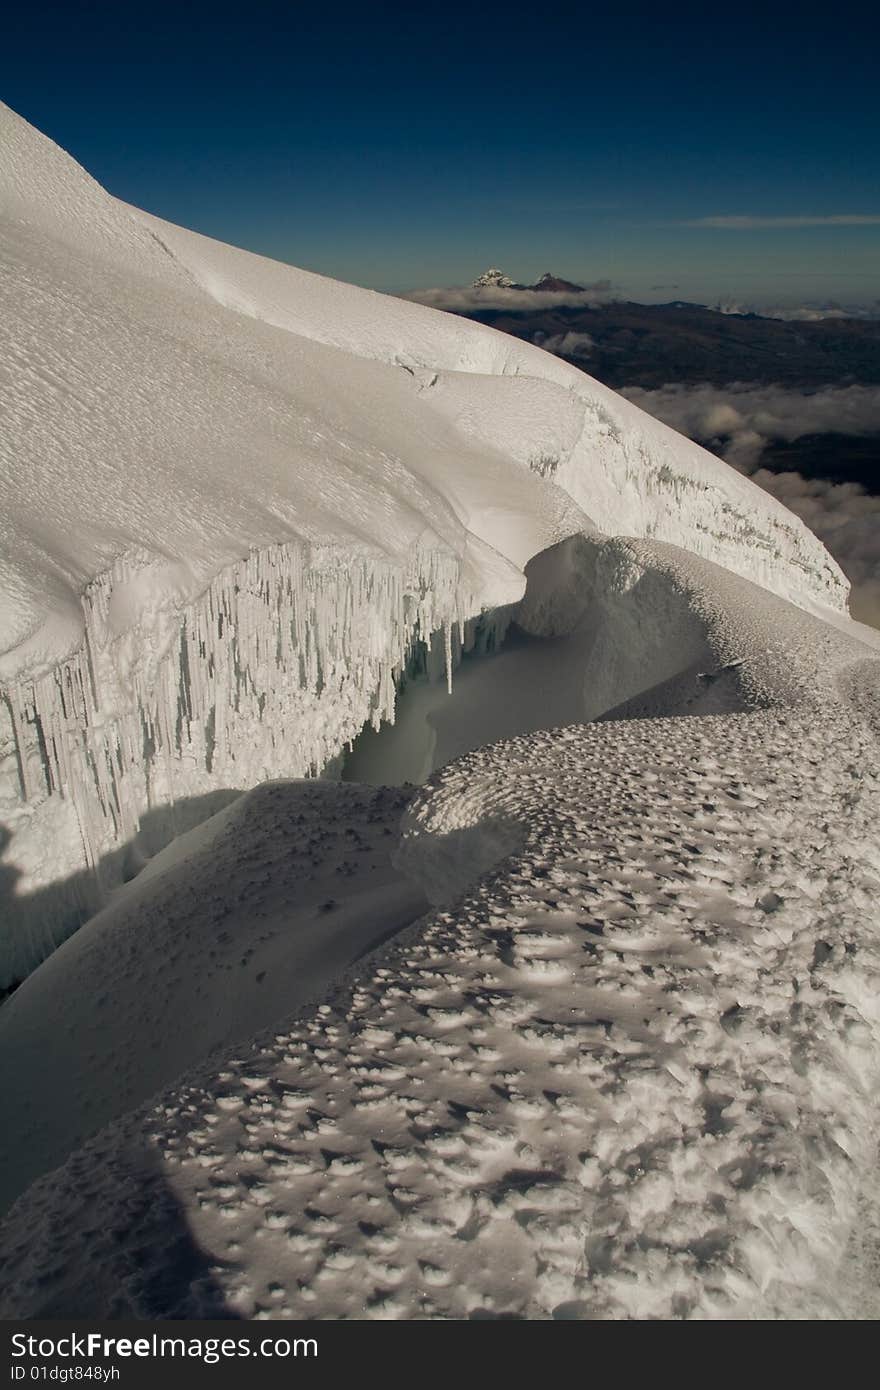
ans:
(233, 494)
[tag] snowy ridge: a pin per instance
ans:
(629, 473)
(660, 634)
(172, 407)
(47, 192)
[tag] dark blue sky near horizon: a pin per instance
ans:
(412, 146)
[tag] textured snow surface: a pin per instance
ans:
(232, 926)
(210, 462)
(608, 626)
(629, 1070)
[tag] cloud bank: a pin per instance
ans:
(566, 344)
(470, 299)
(800, 313)
(738, 421)
(745, 417)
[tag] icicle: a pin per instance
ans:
(274, 669)
(15, 702)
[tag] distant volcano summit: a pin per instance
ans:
(552, 284)
(548, 283)
(493, 278)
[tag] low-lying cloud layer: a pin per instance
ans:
(738, 422)
(471, 299)
(744, 417)
(800, 313)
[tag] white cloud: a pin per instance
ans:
(747, 416)
(747, 224)
(469, 299)
(567, 344)
(800, 313)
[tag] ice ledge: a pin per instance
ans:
(269, 673)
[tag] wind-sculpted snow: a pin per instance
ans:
(179, 414)
(633, 1075)
(609, 628)
(629, 1070)
(645, 613)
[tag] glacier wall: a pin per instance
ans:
(268, 674)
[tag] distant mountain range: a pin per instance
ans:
(650, 345)
(495, 279)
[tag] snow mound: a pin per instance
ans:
(609, 628)
(631, 1072)
(635, 629)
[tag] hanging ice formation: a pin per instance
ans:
(269, 673)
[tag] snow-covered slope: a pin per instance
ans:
(630, 473)
(236, 923)
(629, 1068)
(616, 624)
(627, 1065)
(232, 494)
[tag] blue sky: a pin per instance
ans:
(403, 146)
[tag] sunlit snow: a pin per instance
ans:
(584, 1026)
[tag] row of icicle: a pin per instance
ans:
(270, 673)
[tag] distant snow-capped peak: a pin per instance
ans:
(495, 279)
(553, 284)
(549, 283)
